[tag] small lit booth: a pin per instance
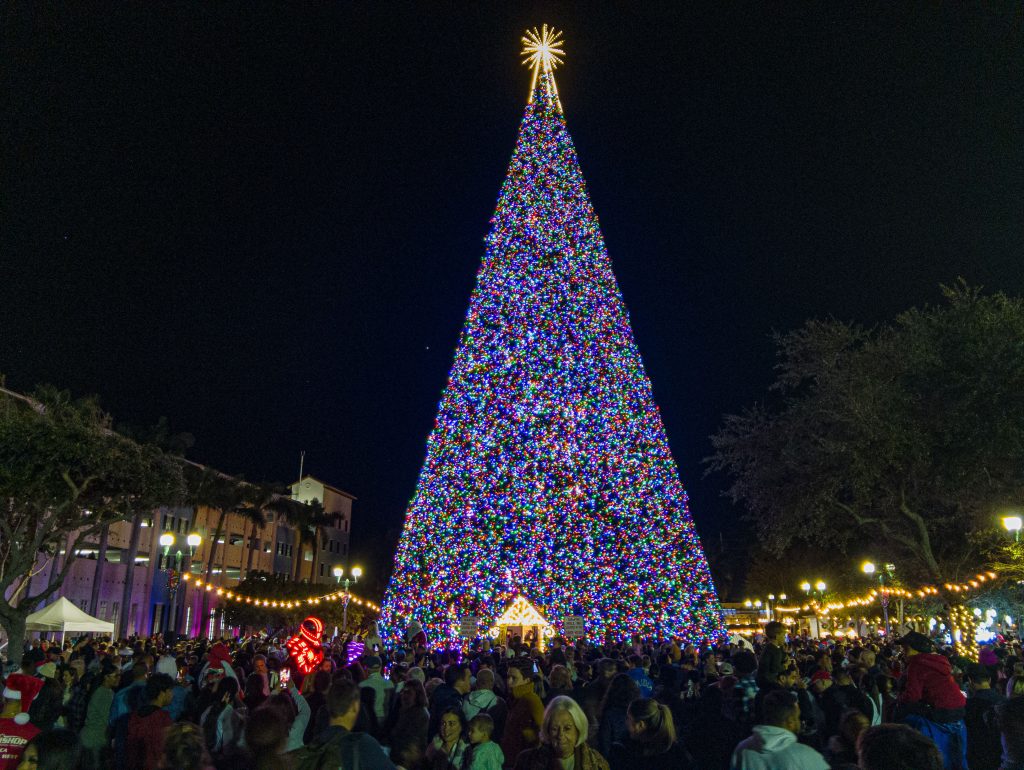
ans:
(524, 620)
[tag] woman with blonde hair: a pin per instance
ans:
(563, 740)
(185, 748)
(652, 743)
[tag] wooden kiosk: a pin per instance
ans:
(524, 620)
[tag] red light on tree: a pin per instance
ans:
(305, 646)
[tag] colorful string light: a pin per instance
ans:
(548, 471)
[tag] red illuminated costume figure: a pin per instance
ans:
(305, 646)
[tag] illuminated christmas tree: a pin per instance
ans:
(548, 473)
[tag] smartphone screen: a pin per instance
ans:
(286, 675)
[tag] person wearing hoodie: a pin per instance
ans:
(148, 726)
(931, 701)
(483, 700)
(773, 746)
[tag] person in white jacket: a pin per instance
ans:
(773, 746)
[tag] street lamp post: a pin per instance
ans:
(1013, 524)
(345, 582)
(869, 570)
(194, 540)
(167, 540)
(810, 591)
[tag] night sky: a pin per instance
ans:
(265, 223)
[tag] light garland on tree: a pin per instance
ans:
(978, 581)
(548, 471)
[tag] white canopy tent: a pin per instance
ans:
(64, 616)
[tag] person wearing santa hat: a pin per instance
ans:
(415, 636)
(26, 682)
(15, 729)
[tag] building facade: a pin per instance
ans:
(97, 580)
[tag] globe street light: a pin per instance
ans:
(167, 540)
(819, 587)
(869, 569)
(346, 582)
(1013, 524)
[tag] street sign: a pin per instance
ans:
(572, 627)
(468, 627)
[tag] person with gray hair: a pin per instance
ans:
(563, 738)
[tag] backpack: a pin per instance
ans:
(337, 752)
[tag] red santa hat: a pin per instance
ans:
(12, 691)
(219, 654)
(27, 688)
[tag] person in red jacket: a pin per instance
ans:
(15, 729)
(147, 728)
(930, 700)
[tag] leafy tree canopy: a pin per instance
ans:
(905, 440)
(64, 472)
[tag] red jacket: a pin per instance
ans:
(930, 681)
(146, 733)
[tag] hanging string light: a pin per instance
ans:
(287, 604)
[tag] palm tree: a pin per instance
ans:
(318, 521)
(306, 521)
(266, 499)
(225, 495)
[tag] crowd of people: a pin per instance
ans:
(775, 702)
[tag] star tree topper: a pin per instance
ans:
(543, 51)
